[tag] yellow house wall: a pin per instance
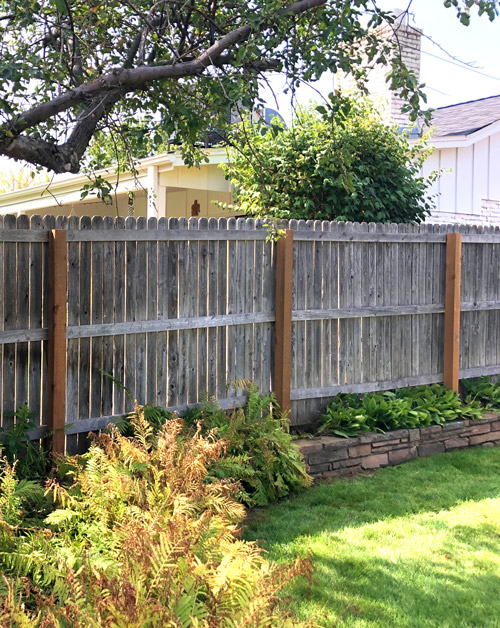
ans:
(206, 177)
(179, 203)
(205, 185)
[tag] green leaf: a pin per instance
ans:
(61, 6)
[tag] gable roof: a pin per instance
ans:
(466, 117)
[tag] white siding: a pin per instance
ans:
(494, 169)
(431, 164)
(463, 174)
(480, 177)
(448, 180)
(470, 193)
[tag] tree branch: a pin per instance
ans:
(102, 93)
(64, 157)
(131, 79)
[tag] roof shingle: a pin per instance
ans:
(466, 117)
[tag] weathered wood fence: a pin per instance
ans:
(176, 310)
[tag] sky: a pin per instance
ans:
(447, 84)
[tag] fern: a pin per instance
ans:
(260, 454)
(140, 536)
(29, 455)
(143, 530)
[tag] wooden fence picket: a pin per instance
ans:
(176, 310)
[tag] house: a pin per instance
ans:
(465, 137)
(466, 141)
(162, 186)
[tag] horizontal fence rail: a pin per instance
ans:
(176, 310)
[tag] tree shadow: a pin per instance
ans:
(387, 597)
(450, 585)
(422, 485)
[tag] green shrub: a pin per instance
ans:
(139, 536)
(437, 404)
(338, 161)
(345, 416)
(349, 414)
(30, 458)
(260, 453)
(483, 390)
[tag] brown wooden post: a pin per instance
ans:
(283, 352)
(452, 310)
(56, 385)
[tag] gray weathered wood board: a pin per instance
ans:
(177, 309)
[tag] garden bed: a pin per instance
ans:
(329, 456)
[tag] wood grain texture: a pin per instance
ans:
(175, 309)
(56, 384)
(2, 305)
(131, 282)
(283, 329)
(84, 364)
(96, 316)
(152, 277)
(222, 309)
(9, 323)
(23, 297)
(162, 304)
(202, 310)
(184, 300)
(119, 316)
(35, 391)
(452, 310)
(173, 313)
(141, 301)
(108, 309)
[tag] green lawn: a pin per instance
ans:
(416, 545)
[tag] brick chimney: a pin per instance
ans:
(408, 39)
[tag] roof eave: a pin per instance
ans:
(463, 140)
(64, 185)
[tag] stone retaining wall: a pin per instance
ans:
(329, 456)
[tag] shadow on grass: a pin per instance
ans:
(414, 546)
(422, 485)
(378, 593)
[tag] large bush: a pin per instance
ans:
(140, 536)
(335, 162)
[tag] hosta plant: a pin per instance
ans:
(348, 414)
(484, 391)
(345, 416)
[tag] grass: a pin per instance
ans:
(410, 546)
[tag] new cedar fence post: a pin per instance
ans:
(452, 310)
(56, 387)
(283, 353)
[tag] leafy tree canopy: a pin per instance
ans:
(69, 67)
(338, 161)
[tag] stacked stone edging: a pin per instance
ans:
(329, 456)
